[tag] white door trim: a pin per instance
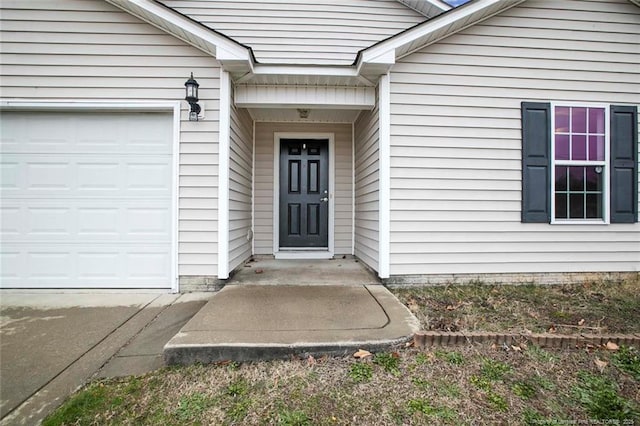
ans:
(110, 106)
(292, 253)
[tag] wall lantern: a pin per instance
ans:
(191, 87)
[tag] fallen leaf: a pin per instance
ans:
(581, 322)
(395, 354)
(601, 364)
(523, 346)
(259, 271)
(311, 360)
(494, 346)
(552, 329)
(362, 354)
(408, 344)
(413, 306)
(516, 348)
(612, 346)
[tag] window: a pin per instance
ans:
(580, 171)
(579, 163)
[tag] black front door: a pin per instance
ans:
(304, 193)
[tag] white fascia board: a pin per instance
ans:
(302, 70)
(334, 97)
(389, 46)
(440, 4)
(426, 7)
(167, 20)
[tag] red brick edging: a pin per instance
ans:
(424, 339)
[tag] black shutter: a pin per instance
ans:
(624, 164)
(536, 162)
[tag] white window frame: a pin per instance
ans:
(606, 164)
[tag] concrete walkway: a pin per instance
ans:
(51, 344)
(249, 322)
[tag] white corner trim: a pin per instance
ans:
(353, 187)
(223, 175)
(276, 188)
(175, 185)
(253, 187)
(384, 182)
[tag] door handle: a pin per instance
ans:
(324, 199)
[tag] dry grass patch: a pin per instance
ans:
(601, 307)
(469, 385)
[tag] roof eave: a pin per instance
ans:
(234, 57)
(427, 8)
(444, 25)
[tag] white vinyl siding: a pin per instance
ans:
(367, 188)
(264, 182)
(240, 185)
(303, 32)
(89, 50)
(456, 141)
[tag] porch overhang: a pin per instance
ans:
(294, 96)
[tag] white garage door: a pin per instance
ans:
(86, 200)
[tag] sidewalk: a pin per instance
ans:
(51, 344)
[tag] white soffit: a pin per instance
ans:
(279, 115)
(432, 31)
(234, 56)
(428, 8)
(285, 96)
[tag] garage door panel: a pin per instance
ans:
(56, 175)
(86, 200)
(97, 133)
(101, 266)
(61, 220)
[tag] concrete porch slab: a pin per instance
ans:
(251, 322)
(266, 270)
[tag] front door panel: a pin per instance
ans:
(304, 193)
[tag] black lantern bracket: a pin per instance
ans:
(196, 111)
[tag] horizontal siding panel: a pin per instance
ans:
(508, 267)
(366, 231)
(191, 62)
(456, 169)
(548, 65)
(484, 250)
(90, 50)
(240, 185)
(321, 32)
(500, 236)
(489, 257)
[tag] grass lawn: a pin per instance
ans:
(473, 384)
(602, 307)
